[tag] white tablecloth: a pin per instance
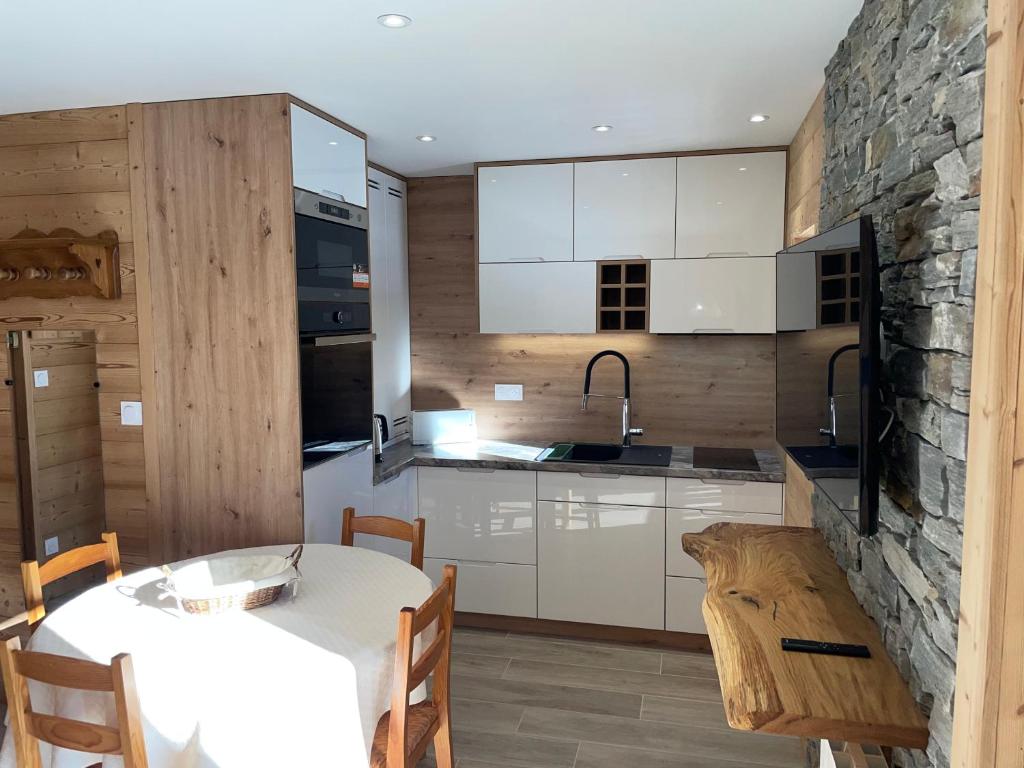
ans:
(301, 682)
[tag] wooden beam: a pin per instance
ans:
(988, 730)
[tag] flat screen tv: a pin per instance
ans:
(828, 404)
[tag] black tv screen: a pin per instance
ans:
(828, 406)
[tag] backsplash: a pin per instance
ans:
(712, 390)
(903, 112)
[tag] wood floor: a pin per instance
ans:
(522, 701)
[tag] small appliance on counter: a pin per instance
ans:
(380, 436)
(443, 426)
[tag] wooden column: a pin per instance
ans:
(988, 729)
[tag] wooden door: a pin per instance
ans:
(57, 438)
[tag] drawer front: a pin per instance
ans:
(601, 564)
(684, 600)
(680, 521)
(482, 515)
(600, 488)
(724, 495)
(499, 588)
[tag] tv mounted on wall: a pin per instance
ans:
(828, 408)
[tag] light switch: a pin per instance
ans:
(508, 391)
(41, 378)
(131, 413)
(50, 546)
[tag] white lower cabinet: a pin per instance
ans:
(724, 495)
(482, 515)
(498, 588)
(327, 488)
(395, 497)
(601, 564)
(684, 601)
(601, 488)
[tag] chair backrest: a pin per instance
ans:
(35, 576)
(435, 659)
(390, 527)
(31, 727)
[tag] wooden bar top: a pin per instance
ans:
(769, 582)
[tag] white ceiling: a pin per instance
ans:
(492, 79)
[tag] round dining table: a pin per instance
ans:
(300, 682)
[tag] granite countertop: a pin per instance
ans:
(495, 454)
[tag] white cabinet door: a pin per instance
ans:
(499, 588)
(327, 488)
(725, 495)
(327, 159)
(625, 209)
(478, 514)
(731, 205)
(389, 301)
(524, 213)
(684, 603)
(538, 298)
(680, 521)
(395, 497)
(601, 564)
(601, 488)
(726, 295)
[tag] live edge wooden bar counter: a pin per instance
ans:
(768, 582)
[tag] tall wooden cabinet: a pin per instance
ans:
(389, 300)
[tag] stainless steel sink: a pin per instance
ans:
(608, 453)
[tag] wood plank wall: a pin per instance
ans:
(988, 727)
(806, 160)
(71, 168)
(686, 389)
(218, 197)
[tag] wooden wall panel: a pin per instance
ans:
(221, 246)
(72, 168)
(686, 389)
(803, 186)
(988, 727)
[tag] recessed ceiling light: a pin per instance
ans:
(333, 143)
(758, 118)
(426, 138)
(718, 202)
(743, 169)
(601, 128)
(625, 173)
(394, 20)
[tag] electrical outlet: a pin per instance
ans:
(41, 378)
(50, 546)
(131, 413)
(508, 391)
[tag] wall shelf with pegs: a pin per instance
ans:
(61, 264)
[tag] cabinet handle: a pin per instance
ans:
(472, 563)
(714, 330)
(478, 470)
(723, 482)
(599, 475)
(727, 254)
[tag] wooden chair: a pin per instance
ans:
(388, 527)
(31, 727)
(35, 576)
(404, 732)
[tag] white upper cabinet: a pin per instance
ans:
(327, 159)
(524, 213)
(538, 298)
(389, 301)
(726, 295)
(625, 209)
(730, 205)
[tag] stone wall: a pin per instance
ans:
(903, 114)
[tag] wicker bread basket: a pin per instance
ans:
(232, 582)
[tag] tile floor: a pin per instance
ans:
(523, 701)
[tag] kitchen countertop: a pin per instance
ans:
(495, 454)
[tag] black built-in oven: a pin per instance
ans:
(332, 259)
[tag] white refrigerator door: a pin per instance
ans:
(327, 488)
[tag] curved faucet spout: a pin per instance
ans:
(627, 431)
